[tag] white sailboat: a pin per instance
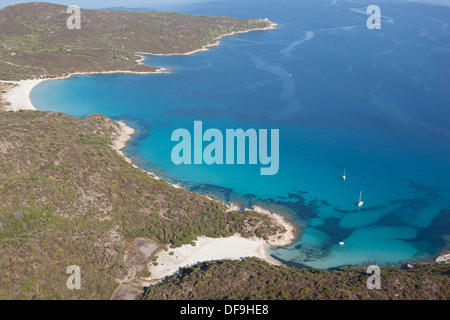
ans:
(341, 243)
(344, 176)
(360, 203)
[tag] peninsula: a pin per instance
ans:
(36, 43)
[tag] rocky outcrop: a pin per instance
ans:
(443, 258)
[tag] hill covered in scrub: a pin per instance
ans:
(68, 198)
(35, 40)
(256, 279)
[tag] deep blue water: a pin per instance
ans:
(375, 102)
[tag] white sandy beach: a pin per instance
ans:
(208, 249)
(19, 96)
(124, 135)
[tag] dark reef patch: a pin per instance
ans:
(331, 228)
(429, 191)
(438, 233)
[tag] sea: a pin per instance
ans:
(372, 102)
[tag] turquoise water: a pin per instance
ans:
(375, 102)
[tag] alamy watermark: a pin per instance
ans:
(374, 281)
(74, 21)
(74, 281)
(235, 147)
(374, 21)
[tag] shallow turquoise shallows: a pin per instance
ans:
(372, 102)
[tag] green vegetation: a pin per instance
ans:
(35, 40)
(4, 87)
(255, 279)
(67, 198)
(147, 274)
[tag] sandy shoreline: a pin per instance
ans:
(207, 249)
(210, 249)
(124, 135)
(19, 95)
